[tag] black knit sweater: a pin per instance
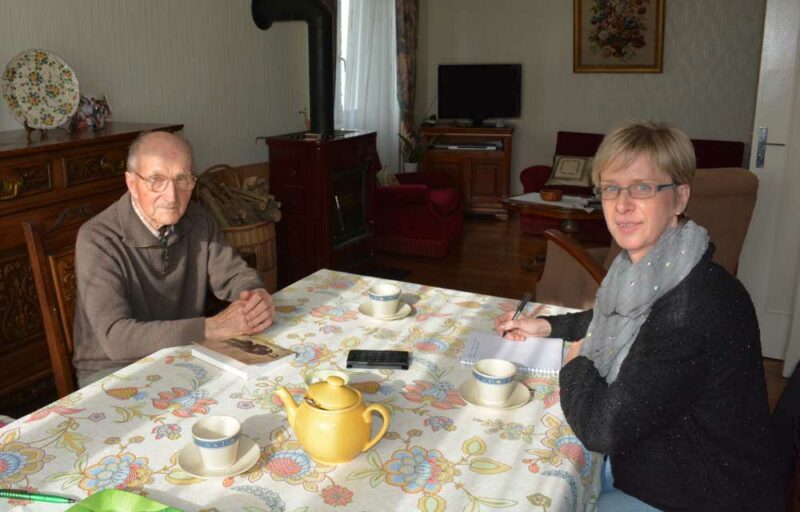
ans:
(686, 420)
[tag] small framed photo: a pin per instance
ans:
(618, 36)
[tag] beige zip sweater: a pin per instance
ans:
(135, 297)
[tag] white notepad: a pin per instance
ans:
(539, 355)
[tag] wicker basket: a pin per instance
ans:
(256, 244)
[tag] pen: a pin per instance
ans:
(520, 308)
(34, 496)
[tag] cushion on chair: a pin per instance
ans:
(534, 177)
(386, 178)
(575, 171)
(445, 200)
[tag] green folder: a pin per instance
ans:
(113, 500)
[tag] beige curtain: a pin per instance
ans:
(407, 23)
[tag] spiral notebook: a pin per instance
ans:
(534, 355)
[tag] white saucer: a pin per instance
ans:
(519, 396)
(189, 460)
(402, 312)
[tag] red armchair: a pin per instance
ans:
(423, 215)
(709, 153)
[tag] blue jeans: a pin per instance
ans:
(614, 500)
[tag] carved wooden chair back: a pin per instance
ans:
(52, 255)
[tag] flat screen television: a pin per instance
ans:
(479, 91)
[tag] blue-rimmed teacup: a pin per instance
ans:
(217, 440)
(385, 298)
(494, 380)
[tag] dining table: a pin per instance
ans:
(440, 452)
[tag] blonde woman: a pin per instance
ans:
(666, 377)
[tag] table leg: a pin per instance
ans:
(536, 263)
(570, 227)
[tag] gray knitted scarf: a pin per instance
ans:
(628, 292)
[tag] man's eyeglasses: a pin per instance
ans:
(641, 190)
(158, 183)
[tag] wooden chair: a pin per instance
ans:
(722, 201)
(52, 255)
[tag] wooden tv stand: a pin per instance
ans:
(482, 175)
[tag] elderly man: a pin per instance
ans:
(144, 266)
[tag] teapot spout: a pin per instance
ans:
(288, 404)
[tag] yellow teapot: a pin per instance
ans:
(332, 424)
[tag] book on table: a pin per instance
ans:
(246, 356)
(532, 355)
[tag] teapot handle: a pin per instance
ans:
(367, 415)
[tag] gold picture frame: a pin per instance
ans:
(618, 36)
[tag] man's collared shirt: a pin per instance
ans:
(142, 218)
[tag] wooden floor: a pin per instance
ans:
(490, 260)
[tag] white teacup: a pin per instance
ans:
(217, 440)
(385, 298)
(494, 380)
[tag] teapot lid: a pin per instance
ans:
(332, 394)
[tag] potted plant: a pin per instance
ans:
(412, 150)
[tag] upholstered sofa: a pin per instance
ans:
(709, 154)
(423, 215)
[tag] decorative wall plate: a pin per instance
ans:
(41, 90)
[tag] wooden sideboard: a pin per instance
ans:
(482, 176)
(39, 179)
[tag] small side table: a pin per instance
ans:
(568, 210)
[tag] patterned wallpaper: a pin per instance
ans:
(712, 50)
(202, 63)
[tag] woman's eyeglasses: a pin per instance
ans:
(158, 183)
(641, 190)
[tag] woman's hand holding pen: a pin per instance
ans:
(573, 352)
(522, 327)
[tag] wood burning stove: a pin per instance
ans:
(325, 183)
(326, 190)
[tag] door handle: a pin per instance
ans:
(761, 148)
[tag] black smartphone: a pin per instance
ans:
(391, 359)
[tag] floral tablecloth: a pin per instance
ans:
(440, 452)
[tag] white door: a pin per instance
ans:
(769, 263)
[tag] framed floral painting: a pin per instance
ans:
(618, 36)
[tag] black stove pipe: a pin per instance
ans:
(320, 48)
